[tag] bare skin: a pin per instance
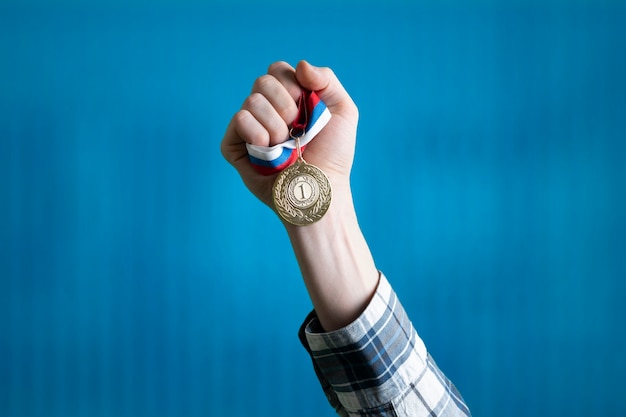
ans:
(334, 258)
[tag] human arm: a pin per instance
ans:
(366, 353)
(335, 261)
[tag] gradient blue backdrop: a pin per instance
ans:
(139, 278)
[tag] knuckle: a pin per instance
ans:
(278, 133)
(264, 81)
(328, 72)
(253, 101)
(241, 117)
(355, 109)
(278, 66)
(248, 129)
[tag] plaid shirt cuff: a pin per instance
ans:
(378, 364)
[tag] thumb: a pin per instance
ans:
(325, 83)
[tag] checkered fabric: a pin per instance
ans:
(379, 366)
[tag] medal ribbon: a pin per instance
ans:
(312, 117)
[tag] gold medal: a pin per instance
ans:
(301, 192)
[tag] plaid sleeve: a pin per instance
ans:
(378, 365)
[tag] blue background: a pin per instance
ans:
(139, 277)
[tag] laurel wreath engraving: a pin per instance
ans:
(294, 215)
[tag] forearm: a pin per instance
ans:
(336, 263)
(367, 354)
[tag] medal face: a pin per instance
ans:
(302, 194)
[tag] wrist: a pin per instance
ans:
(335, 261)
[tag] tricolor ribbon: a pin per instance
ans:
(312, 117)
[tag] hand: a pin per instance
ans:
(266, 115)
(334, 258)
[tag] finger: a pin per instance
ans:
(278, 95)
(235, 152)
(286, 75)
(263, 111)
(249, 130)
(233, 147)
(326, 84)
